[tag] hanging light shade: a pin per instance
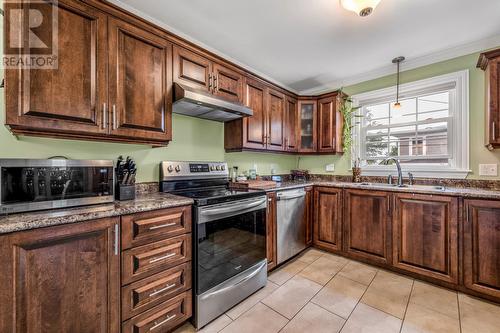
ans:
(397, 61)
(360, 7)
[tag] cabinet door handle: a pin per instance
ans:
(209, 81)
(162, 226)
(114, 116)
(116, 244)
(152, 261)
(162, 322)
(167, 287)
(104, 115)
(494, 130)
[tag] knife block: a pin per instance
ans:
(125, 192)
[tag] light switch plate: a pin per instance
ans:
(488, 170)
(330, 167)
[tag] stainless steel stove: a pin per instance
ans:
(229, 233)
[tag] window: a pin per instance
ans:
(428, 133)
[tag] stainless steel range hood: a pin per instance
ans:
(195, 103)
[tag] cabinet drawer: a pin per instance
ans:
(146, 260)
(146, 293)
(161, 318)
(144, 228)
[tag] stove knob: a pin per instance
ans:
(170, 168)
(212, 168)
(223, 167)
(218, 168)
(177, 168)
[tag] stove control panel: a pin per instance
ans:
(177, 169)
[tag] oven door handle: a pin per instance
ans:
(246, 206)
(228, 210)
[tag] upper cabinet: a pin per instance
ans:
(112, 83)
(71, 99)
(490, 62)
(307, 126)
(139, 83)
(275, 120)
(329, 125)
(196, 71)
(291, 124)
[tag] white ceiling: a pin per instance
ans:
(311, 46)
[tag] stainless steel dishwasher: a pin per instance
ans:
(291, 225)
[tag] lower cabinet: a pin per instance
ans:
(61, 279)
(367, 225)
(425, 235)
(308, 215)
(271, 237)
(481, 246)
(328, 218)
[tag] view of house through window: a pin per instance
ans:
(416, 132)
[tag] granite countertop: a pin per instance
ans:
(142, 203)
(417, 189)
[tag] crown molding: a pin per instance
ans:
(431, 58)
(200, 44)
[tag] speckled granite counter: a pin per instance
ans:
(143, 202)
(417, 189)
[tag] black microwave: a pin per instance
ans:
(31, 184)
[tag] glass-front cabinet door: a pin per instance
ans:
(308, 126)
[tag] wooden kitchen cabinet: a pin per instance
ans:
(194, 70)
(425, 235)
(329, 125)
(69, 101)
(308, 214)
(139, 83)
(113, 83)
(61, 279)
(271, 231)
(275, 120)
(291, 124)
(307, 126)
(490, 63)
(328, 218)
(367, 226)
(481, 254)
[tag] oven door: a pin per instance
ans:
(231, 238)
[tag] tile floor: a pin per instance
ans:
(320, 292)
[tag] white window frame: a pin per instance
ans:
(458, 131)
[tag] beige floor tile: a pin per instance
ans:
(358, 272)
(435, 298)
(288, 271)
(335, 258)
(213, 327)
(419, 319)
(292, 296)
(248, 303)
(313, 318)
(322, 270)
(340, 296)
(310, 255)
(478, 316)
(389, 292)
(259, 319)
(365, 319)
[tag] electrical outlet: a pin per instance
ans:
(488, 170)
(330, 167)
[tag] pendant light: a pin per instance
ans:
(361, 7)
(398, 62)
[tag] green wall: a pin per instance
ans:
(478, 153)
(196, 139)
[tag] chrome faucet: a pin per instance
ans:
(398, 165)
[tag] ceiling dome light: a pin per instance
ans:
(360, 7)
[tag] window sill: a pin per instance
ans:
(418, 172)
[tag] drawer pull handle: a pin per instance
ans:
(152, 261)
(156, 292)
(162, 226)
(162, 322)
